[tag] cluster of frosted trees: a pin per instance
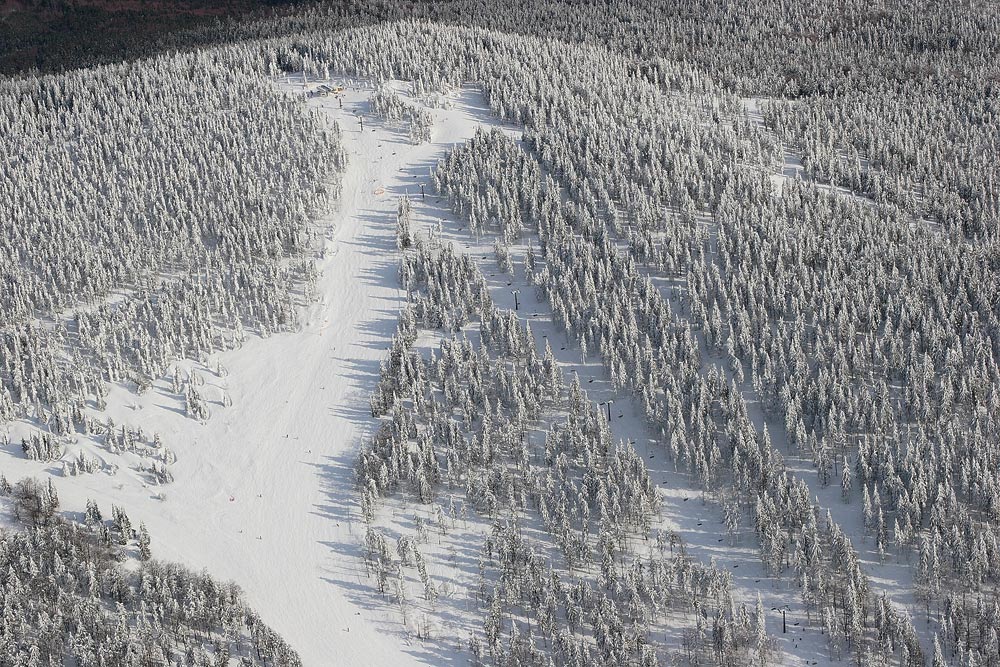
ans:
(67, 597)
(148, 212)
(156, 210)
(495, 425)
(695, 408)
(44, 446)
(388, 105)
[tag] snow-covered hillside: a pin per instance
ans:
(583, 334)
(263, 488)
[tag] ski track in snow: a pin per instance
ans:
(264, 489)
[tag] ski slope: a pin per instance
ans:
(263, 492)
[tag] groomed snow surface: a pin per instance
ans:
(263, 491)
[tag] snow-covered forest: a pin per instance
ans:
(63, 575)
(538, 334)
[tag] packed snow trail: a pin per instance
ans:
(264, 490)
